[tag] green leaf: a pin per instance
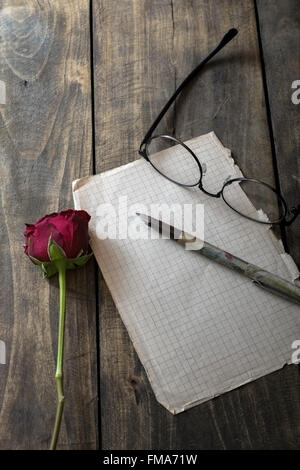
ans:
(35, 260)
(80, 261)
(55, 252)
(49, 269)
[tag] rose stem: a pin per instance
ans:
(60, 353)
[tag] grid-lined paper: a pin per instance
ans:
(199, 328)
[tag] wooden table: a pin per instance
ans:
(83, 82)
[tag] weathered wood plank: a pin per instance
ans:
(134, 75)
(142, 49)
(45, 134)
(280, 34)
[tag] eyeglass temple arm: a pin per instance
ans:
(228, 36)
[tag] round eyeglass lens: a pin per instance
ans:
(255, 197)
(173, 160)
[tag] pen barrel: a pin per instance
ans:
(225, 258)
(269, 281)
(275, 284)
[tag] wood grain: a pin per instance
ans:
(280, 35)
(132, 55)
(142, 49)
(46, 142)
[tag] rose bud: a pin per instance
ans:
(68, 230)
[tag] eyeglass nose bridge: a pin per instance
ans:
(200, 186)
(219, 193)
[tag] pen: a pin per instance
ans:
(262, 278)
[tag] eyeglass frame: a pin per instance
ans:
(143, 149)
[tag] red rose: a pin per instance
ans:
(56, 243)
(68, 229)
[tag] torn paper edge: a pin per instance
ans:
(277, 242)
(174, 409)
(226, 151)
(290, 264)
(288, 261)
(286, 257)
(78, 183)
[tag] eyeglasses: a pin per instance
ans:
(182, 166)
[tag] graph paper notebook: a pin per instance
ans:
(199, 329)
